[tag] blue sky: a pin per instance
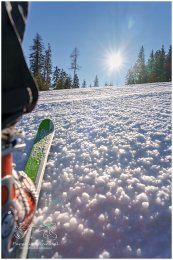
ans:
(99, 29)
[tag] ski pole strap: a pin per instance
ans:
(7, 161)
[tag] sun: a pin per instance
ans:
(114, 61)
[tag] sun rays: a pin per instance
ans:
(114, 61)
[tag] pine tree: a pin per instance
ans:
(168, 65)
(150, 68)
(74, 65)
(36, 57)
(68, 82)
(156, 66)
(131, 77)
(159, 65)
(41, 82)
(56, 76)
(162, 64)
(61, 80)
(76, 81)
(47, 71)
(84, 84)
(140, 67)
(64, 81)
(96, 82)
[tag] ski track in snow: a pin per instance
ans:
(107, 186)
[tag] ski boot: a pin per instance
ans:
(19, 197)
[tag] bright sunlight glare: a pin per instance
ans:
(114, 61)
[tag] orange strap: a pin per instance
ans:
(7, 161)
(7, 168)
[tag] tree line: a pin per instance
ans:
(158, 67)
(47, 77)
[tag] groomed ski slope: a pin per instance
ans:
(107, 187)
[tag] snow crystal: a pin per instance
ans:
(78, 200)
(129, 249)
(80, 227)
(117, 212)
(47, 185)
(101, 217)
(101, 198)
(85, 196)
(142, 197)
(138, 252)
(121, 151)
(87, 232)
(56, 255)
(145, 204)
(104, 254)
(63, 217)
(100, 180)
(73, 223)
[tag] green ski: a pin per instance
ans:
(35, 168)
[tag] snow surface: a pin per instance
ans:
(107, 187)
